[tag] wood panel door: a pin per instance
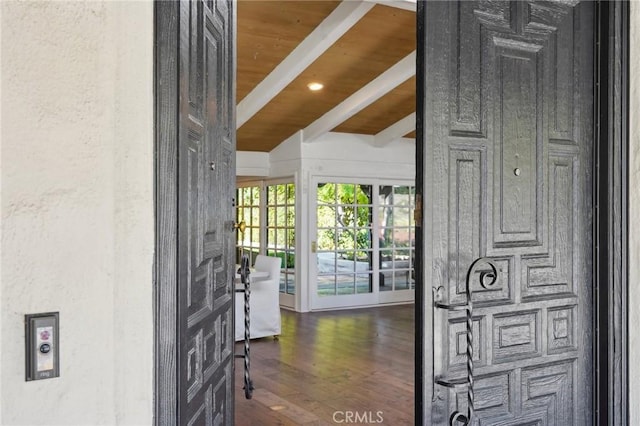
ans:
(508, 113)
(206, 185)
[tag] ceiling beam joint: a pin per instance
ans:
(395, 131)
(334, 26)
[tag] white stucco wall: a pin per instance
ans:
(77, 208)
(634, 218)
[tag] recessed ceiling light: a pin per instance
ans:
(315, 86)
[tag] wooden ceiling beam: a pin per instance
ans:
(400, 4)
(374, 90)
(395, 131)
(347, 14)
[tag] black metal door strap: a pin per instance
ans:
(487, 279)
(246, 281)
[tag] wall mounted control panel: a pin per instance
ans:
(42, 347)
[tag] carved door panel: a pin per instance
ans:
(206, 182)
(508, 176)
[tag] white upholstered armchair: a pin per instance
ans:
(264, 301)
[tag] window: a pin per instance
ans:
(364, 243)
(248, 210)
(396, 237)
(344, 230)
(280, 226)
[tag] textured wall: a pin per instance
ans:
(634, 218)
(77, 207)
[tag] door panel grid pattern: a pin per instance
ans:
(511, 170)
(205, 211)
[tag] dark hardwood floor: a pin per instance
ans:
(331, 367)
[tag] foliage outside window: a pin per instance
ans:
(344, 250)
(248, 210)
(280, 226)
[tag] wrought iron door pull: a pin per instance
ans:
(457, 417)
(245, 278)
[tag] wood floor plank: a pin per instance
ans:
(286, 408)
(328, 365)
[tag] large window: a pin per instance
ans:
(365, 243)
(280, 225)
(248, 211)
(396, 237)
(344, 250)
(270, 221)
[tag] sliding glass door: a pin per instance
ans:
(363, 244)
(396, 242)
(344, 250)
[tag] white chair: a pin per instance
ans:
(264, 301)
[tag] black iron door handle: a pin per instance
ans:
(245, 278)
(487, 280)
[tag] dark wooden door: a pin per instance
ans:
(507, 175)
(206, 183)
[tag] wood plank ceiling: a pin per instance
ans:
(358, 96)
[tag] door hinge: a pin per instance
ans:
(417, 212)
